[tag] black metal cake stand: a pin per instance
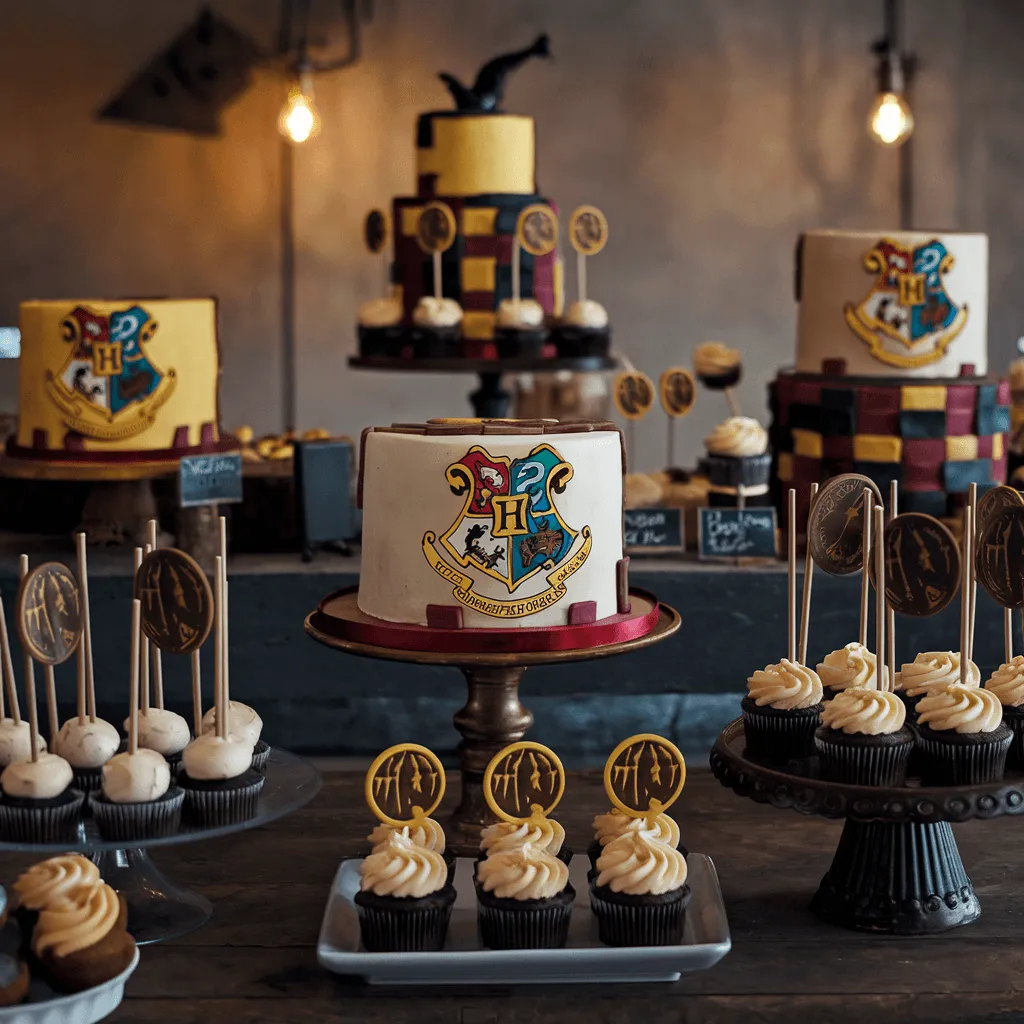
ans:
(897, 869)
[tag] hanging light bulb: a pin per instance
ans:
(299, 120)
(890, 120)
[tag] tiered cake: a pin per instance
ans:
(108, 382)
(891, 362)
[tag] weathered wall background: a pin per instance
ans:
(710, 131)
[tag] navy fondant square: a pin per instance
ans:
(883, 473)
(806, 417)
(984, 415)
(931, 503)
(958, 476)
(923, 423)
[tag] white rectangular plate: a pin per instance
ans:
(463, 961)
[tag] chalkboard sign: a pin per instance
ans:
(326, 511)
(210, 479)
(653, 530)
(736, 533)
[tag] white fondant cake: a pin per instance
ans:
(498, 526)
(893, 303)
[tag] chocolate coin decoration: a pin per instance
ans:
(435, 229)
(404, 783)
(835, 530)
(677, 391)
(644, 774)
(634, 394)
(523, 780)
(177, 601)
(993, 501)
(922, 564)
(1000, 561)
(588, 230)
(50, 613)
(375, 231)
(537, 229)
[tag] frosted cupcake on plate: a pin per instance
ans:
(540, 831)
(961, 736)
(519, 331)
(379, 327)
(615, 823)
(1007, 683)
(852, 666)
(737, 454)
(39, 804)
(244, 723)
(136, 799)
(717, 366)
(931, 672)
(423, 832)
(437, 327)
(863, 739)
(87, 746)
(781, 711)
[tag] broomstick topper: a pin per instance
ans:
(644, 776)
(404, 785)
(524, 782)
(488, 89)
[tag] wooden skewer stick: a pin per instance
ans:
(80, 682)
(83, 582)
(225, 625)
(437, 275)
(890, 615)
(1008, 635)
(791, 596)
(197, 694)
(218, 649)
(156, 653)
(973, 499)
(880, 616)
(805, 607)
(51, 702)
(10, 684)
(143, 650)
(730, 397)
(30, 682)
(133, 692)
(865, 583)
(965, 597)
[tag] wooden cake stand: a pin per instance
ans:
(897, 869)
(493, 717)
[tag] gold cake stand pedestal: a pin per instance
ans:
(493, 716)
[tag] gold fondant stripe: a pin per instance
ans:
(479, 220)
(807, 442)
(478, 326)
(478, 273)
(962, 449)
(785, 466)
(877, 448)
(410, 217)
(997, 446)
(923, 398)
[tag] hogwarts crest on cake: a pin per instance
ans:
(509, 528)
(907, 318)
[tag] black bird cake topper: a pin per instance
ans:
(485, 95)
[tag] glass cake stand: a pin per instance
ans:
(897, 869)
(159, 908)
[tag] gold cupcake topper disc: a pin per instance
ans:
(524, 780)
(644, 775)
(404, 784)
(537, 229)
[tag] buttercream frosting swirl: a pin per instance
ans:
(738, 437)
(384, 311)
(540, 832)
(16, 742)
(87, 744)
(136, 778)
(54, 878)
(639, 864)
(42, 779)
(615, 823)
(163, 731)
(80, 919)
(425, 832)
(933, 670)
(522, 873)
(588, 314)
(1007, 682)
(431, 312)
(403, 869)
(210, 757)
(853, 665)
(868, 712)
(713, 358)
(244, 723)
(963, 709)
(786, 686)
(520, 314)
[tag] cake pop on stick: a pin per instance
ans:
(144, 663)
(157, 654)
(1007, 635)
(965, 595)
(973, 501)
(30, 680)
(585, 322)
(865, 582)
(197, 693)
(218, 652)
(15, 736)
(890, 615)
(805, 605)
(133, 677)
(880, 616)
(791, 593)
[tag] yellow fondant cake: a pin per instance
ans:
(117, 380)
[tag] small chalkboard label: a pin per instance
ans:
(736, 533)
(210, 479)
(653, 530)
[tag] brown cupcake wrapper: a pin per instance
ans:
(41, 824)
(639, 923)
(260, 755)
(963, 764)
(87, 780)
(503, 926)
(779, 736)
(1014, 718)
(863, 764)
(214, 808)
(151, 819)
(405, 929)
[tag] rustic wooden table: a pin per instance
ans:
(255, 962)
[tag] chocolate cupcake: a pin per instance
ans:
(221, 786)
(541, 832)
(931, 672)
(405, 900)
(781, 712)
(524, 899)
(615, 823)
(164, 732)
(244, 724)
(437, 328)
(39, 803)
(47, 882)
(87, 746)
(638, 891)
(716, 365)
(961, 737)
(14, 980)
(851, 667)
(519, 331)
(16, 742)
(863, 739)
(737, 457)
(1007, 683)
(423, 832)
(82, 940)
(136, 800)
(583, 330)
(380, 331)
